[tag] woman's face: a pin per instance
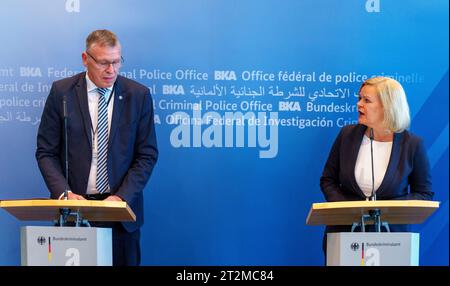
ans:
(370, 108)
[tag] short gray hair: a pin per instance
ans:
(103, 38)
(395, 105)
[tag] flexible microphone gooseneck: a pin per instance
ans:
(66, 147)
(376, 213)
(373, 196)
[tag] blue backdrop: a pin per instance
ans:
(228, 193)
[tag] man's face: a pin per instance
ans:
(103, 64)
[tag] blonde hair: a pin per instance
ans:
(102, 38)
(395, 105)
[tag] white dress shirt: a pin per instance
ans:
(93, 96)
(363, 166)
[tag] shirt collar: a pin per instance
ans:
(91, 86)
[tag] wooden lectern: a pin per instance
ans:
(62, 245)
(375, 248)
(393, 211)
(48, 210)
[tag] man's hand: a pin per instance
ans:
(72, 196)
(113, 198)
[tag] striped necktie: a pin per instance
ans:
(102, 142)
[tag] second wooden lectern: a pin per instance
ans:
(375, 248)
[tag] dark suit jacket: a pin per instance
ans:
(132, 149)
(408, 167)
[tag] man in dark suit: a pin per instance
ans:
(111, 139)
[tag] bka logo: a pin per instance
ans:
(224, 75)
(289, 106)
(41, 240)
(30, 72)
(73, 6)
(173, 89)
(354, 246)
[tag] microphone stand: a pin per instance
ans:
(375, 214)
(65, 211)
(66, 148)
(373, 196)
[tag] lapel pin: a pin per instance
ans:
(120, 97)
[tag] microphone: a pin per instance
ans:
(375, 214)
(373, 197)
(66, 147)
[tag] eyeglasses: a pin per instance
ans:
(106, 64)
